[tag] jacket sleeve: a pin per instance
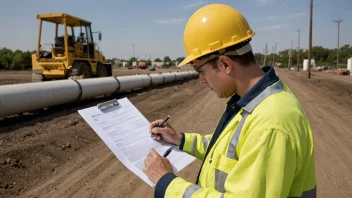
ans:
(195, 144)
(266, 168)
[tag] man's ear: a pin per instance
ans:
(226, 64)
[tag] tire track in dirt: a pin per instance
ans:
(87, 168)
(332, 127)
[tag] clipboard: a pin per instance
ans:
(109, 106)
(124, 129)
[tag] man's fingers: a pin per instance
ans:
(154, 124)
(157, 133)
(157, 130)
(153, 153)
(156, 136)
(145, 169)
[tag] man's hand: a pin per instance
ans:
(165, 132)
(156, 166)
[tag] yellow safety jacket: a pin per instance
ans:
(266, 150)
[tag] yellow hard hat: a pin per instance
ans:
(212, 28)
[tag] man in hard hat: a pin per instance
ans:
(263, 144)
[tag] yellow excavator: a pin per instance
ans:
(69, 56)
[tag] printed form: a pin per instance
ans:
(126, 132)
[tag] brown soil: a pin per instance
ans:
(54, 153)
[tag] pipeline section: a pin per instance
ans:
(19, 98)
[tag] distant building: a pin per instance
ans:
(157, 64)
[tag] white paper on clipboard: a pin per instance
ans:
(126, 132)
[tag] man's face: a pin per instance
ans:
(213, 76)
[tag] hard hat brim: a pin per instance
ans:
(187, 60)
(236, 52)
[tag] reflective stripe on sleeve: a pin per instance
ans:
(190, 191)
(194, 145)
(205, 142)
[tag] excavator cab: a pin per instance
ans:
(69, 55)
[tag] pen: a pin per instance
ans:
(162, 123)
(168, 152)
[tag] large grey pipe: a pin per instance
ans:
(19, 98)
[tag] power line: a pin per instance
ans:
(331, 13)
(346, 8)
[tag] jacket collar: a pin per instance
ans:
(268, 79)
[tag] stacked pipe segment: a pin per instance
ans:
(19, 98)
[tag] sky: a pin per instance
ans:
(155, 27)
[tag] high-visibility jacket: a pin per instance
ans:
(266, 150)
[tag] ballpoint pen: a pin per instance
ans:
(161, 124)
(168, 151)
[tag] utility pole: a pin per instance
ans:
(310, 37)
(338, 39)
(275, 54)
(289, 56)
(133, 49)
(299, 36)
(263, 57)
(265, 53)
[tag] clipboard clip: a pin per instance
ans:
(108, 104)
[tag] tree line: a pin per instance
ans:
(22, 60)
(15, 60)
(322, 56)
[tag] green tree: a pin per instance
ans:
(158, 60)
(332, 58)
(320, 54)
(180, 59)
(27, 60)
(6, 57)
(132, 59)
(17, 62)
(167, 61)
(259, 58)
(344, 54)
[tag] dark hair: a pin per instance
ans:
(245, 59)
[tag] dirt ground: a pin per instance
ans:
(54, 153)
(16, 77)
